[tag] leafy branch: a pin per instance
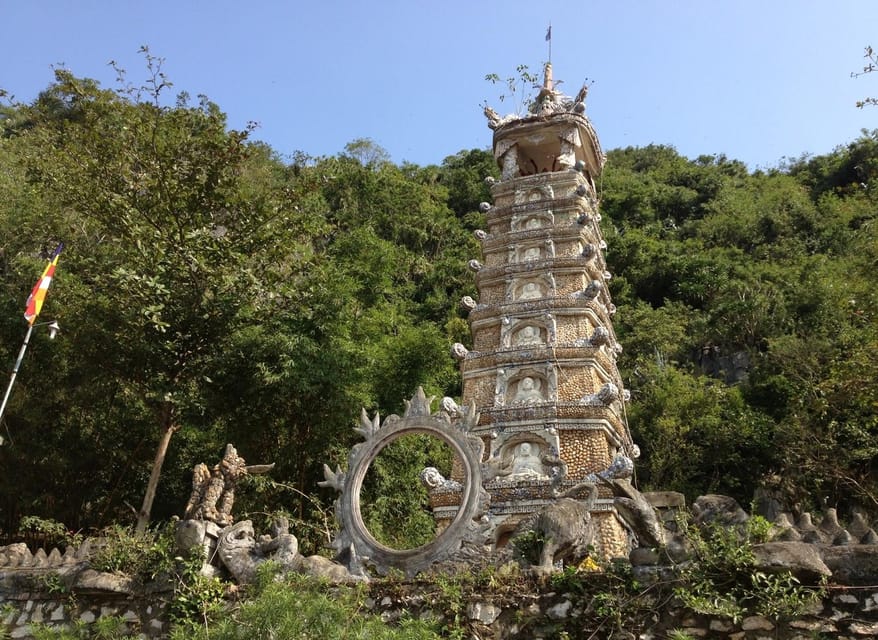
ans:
(518, 87)
(871, 65)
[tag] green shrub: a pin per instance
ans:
(722, 578)
(144, 556)
(299, 608)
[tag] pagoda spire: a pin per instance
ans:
(547, 94)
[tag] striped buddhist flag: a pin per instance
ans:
(36, 297)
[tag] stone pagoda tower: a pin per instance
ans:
(543, 411)
(542, 372)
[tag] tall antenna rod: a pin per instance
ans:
(549, 40)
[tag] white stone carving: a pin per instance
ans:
(532, 221)
(458, 351)
(529, 391)
(530, 291)
(435, 481)
(527, 332)
(526, 463)
(529, 335)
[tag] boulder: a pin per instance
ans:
(801, 559)
(853, 564)
(665, 499)
(91, 580)
(721, 510)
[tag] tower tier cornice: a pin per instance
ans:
(554, 184)
(568, 304)
(554, 411)
(574, 265)
(562, 355)
(570, 233)
(558, 206)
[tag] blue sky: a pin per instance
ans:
(755, 80)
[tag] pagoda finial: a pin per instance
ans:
(547, 91)
(548, 83)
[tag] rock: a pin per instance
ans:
(804, 523)
(859, 526)
(768, 499)
(788, 535)
(718, 509)
(560, 610)
(829, 525)
(98, 581)
(677, 549)
(783, 521)
(15, 555)
(814, 536)
(855, 564)
(843, 538)
(643, 557)
(321, 567)
(869, 629)
(756, 623)
(665, 499)
(484, 612)
(801, 559)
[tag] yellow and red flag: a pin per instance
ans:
(36, 297)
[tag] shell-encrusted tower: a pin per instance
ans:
(542, 372)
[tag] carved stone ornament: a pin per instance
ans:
(467, 533)
(468, 303)
(458, 351)
(213, 490)
(593, 290)
(601, 336)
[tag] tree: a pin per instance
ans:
(164, 237)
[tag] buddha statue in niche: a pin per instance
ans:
(530, 291)
(526, 463)
(531, 253)
(528, 391)
(529, 335)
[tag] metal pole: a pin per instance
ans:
(30, 330)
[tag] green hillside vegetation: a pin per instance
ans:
(211, 291)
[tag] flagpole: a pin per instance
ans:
(31, 311)
(30, 330)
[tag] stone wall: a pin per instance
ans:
(843, 614)
(142, 615)
(62, 590)
(521, 610)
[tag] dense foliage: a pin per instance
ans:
(212, 292)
